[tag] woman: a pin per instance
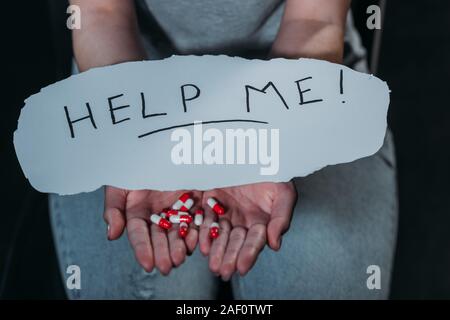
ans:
(345, 218)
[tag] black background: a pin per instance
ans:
(414, 61)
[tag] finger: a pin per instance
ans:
(139, 237)
(161, 249)
(218, 246)
(203, 238)
(253, 244)
(191, 239)
(114, 212)
(281, 215)
(116, 223)
(235, 242)
(177, 246)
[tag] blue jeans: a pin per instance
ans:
(345, 220)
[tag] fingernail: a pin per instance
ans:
(225, 278)
(108, 232)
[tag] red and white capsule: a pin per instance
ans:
(184, 203)
(163, 214)
(183, 229)
(163, 223)
(215, 206)
(187, 205)
(198, 217)
(171, 212)
(214, 230)
(181, 217)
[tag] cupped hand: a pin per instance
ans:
(152, 245)
(255, 214)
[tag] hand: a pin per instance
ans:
(256, 214)
(152, 245)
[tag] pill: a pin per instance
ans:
(184, 197)
(183, 203)
(214, 230)
(176, 213)
(163, 223)
(171, 212)
(198, 217)
(187, 205)
(177, 205)
(183, 229)
(163, 213)
(182, 217)
(215, 206)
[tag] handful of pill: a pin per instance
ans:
(179, 214)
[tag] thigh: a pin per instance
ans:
(345, 220)
(109, 269)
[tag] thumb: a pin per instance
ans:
(114, 213)
(281, 214)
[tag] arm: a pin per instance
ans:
(312, 29)
(260, 213)
(108, 35)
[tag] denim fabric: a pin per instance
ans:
(344, 221)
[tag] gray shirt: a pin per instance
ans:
(235, 27)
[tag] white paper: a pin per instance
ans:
(346, 125)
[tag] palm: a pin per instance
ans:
(152, 245)
(246, 205)
(141, 203)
